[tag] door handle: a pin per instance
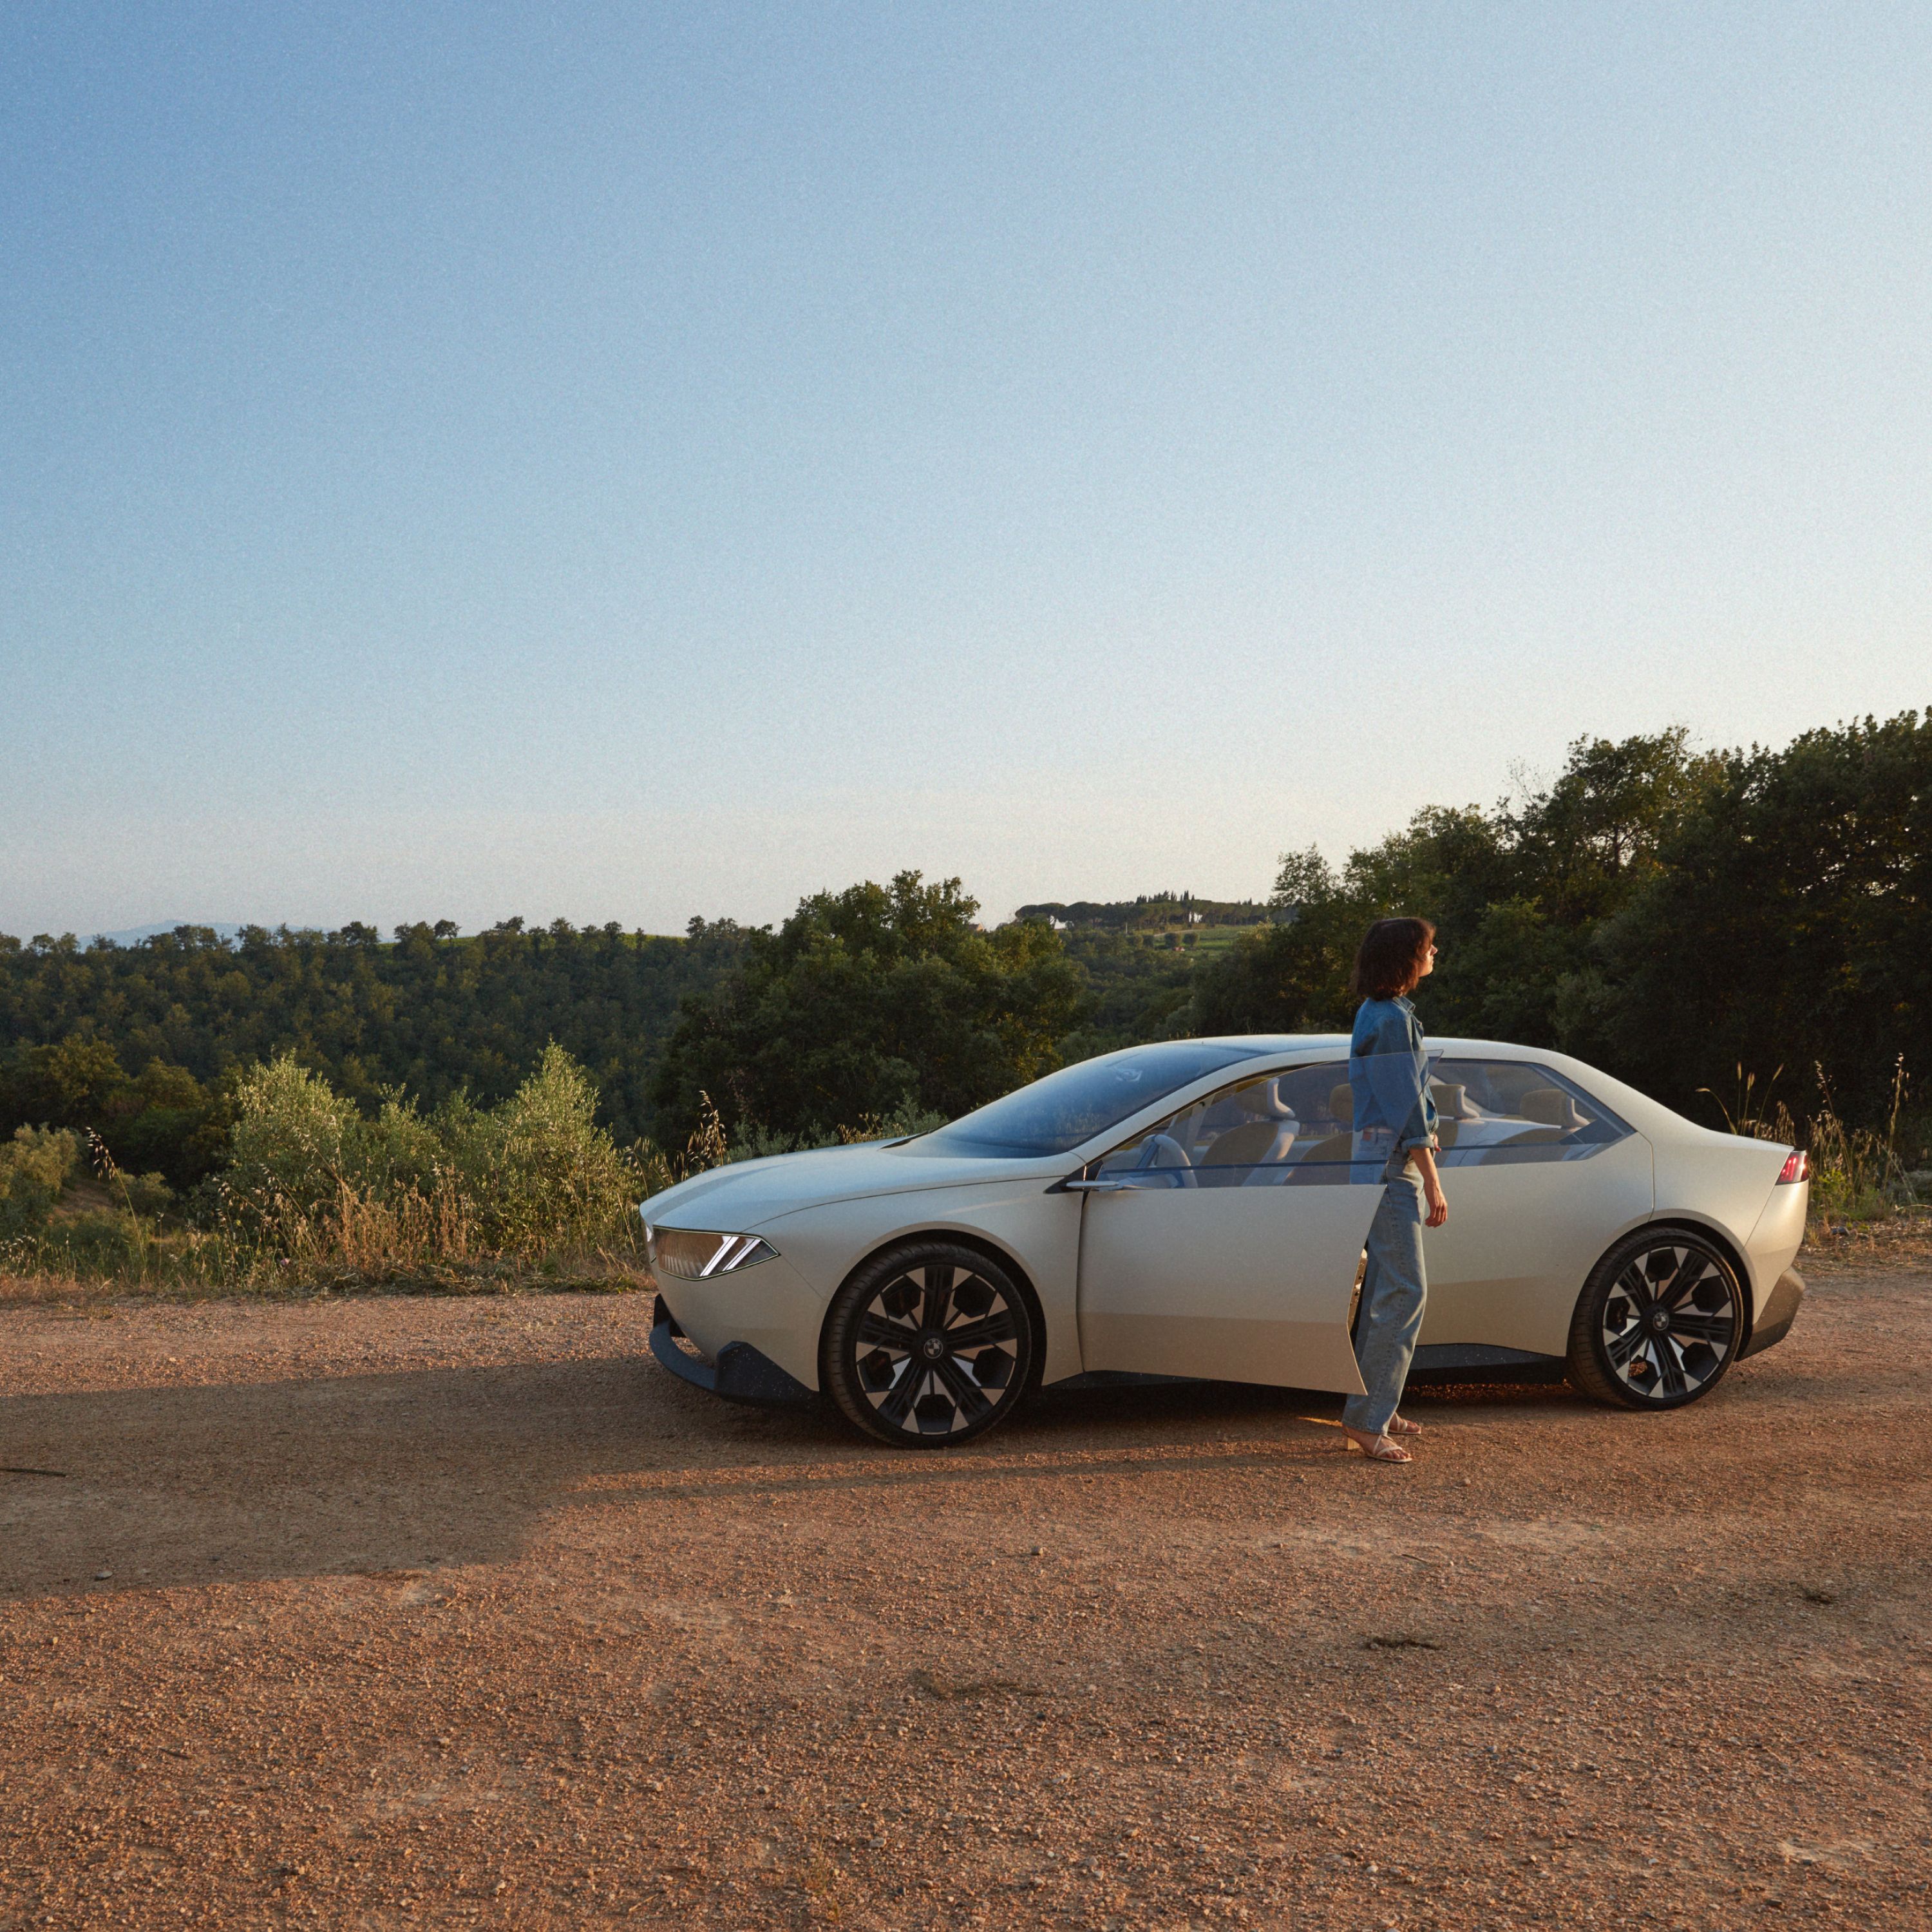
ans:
(1074, 1184)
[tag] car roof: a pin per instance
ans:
(1268, 1044)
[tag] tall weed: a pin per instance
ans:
(1857, 1173)
(313, 1186)
(709, 1146)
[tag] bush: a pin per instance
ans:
(876, 1000)
(148, 1195)
(34, 1166)
(537, 1172)
(312, 1180)
(293, 1147)
(102, 1241)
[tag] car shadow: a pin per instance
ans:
(418, 1470)
(412, 1470)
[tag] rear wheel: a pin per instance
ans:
(1660, 1321)
(930, 1345)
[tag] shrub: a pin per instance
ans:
(313, 1182)
(34, 1166)
(539, 1171)
(148, 1195)
(293, 1146)
(102, 1241)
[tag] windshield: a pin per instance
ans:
(1057, 1114)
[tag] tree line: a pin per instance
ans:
(1687, 920)
(1672, 914)
(143, 1044)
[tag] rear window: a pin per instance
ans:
(1056, 1114)
(1502, 1113)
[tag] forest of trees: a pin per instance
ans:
(1671, 914)
(143, 1043)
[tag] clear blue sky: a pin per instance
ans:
(626, 461)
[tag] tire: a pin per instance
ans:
(930, 1345)
(1659, 1323)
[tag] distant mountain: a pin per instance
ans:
(134, 935)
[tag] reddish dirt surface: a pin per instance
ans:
(448, 1612)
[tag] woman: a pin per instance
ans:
(1395, 1120)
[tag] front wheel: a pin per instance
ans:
(1659, 1321)
(930, 1345)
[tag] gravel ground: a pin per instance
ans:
(379, 1613)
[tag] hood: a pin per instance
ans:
(736, 1198)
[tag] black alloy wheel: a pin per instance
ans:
(1660, 1321)
(930, 1345)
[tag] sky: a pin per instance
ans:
(626, 462)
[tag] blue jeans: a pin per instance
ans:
(1394, 1290)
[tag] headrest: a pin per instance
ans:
(1452, 1099)
(1341, 1102)
(1262, 1099)
(1551, 1107)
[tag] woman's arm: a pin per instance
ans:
(1424, 1159)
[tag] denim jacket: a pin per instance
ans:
(1388, 1069)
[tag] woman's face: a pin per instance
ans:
(1428, 963)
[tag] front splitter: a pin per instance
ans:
(742, 1373)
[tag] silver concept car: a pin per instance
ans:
(1197, 1208)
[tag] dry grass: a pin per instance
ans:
(581, 1273)
(1898, 1241)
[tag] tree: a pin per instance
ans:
(430, 1011)
(868, 1002)
(1515, 893)
(1581, 847)
(1787, 923)
(162, 1121)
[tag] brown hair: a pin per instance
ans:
(1389, 960)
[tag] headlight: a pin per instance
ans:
(697, 1256)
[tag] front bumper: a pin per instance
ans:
(1780, 1311)
(741, 1373)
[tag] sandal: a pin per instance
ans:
(1377, 1448)
(1400, 1425)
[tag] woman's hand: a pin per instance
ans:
(1438, 1202)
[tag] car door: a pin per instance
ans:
(1223, 1241)
(1541, 1178)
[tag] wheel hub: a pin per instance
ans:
(1671, 1323)
(937, 1350)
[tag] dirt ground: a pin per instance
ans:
(405, 1612)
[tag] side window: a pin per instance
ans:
(1496, 1113)
(1269, 1130)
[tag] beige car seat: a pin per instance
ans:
(1253, 1143)
(1552, 1107)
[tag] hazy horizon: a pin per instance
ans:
(476, 462)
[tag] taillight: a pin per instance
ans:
(1797, 1167)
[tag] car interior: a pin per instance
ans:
(1261, 1131)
